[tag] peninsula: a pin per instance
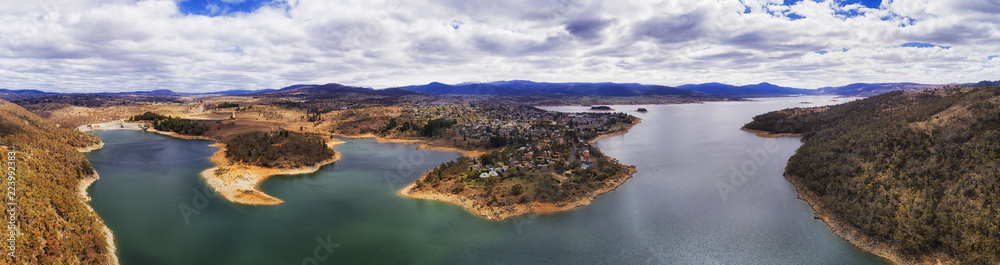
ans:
(909, 176)
(546, 163)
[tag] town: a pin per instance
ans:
(535, 156)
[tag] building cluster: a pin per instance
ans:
(549, 142)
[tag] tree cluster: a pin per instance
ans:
(280, 149)
(224, 105)
(172, 124)
(436, 126)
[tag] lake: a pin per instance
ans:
(705, 193)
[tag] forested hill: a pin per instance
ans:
(54, 225)
(916, 170)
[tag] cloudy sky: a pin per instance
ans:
(209, 45)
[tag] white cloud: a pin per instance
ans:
(59, 45)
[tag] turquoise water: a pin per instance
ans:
(684, 206)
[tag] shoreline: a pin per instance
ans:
(81, 191)
(856, 237)
(422, 144)
(502, 213)
(636, 104)
(132, 126)
(243, 182)
(840, 228)
(240, 183)
(85, 149)
(622, 132)
(767, 134)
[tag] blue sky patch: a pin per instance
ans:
(839, 12)
(223, 7)
(789, 14)
(866, 3)
(847, 13)
(992, 56)
(235, 50)
(825, 51)
(923, 45)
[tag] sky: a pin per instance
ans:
(213, 45)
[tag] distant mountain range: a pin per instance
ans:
(762, 89)
(867, 90)
(155, 93)
(536, 89)
(332, 90)
(529, 88)
(25, 92)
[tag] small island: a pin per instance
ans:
(250, 158)
(643, 110)
(602, 108)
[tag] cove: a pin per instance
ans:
(705, 193)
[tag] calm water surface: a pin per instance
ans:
(705, 193)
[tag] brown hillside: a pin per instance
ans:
(54, 223)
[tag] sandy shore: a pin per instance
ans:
(117, 125)
(239, 183)
(99, 145)
(422, 144)
(132, 126)
(502, 213)
(859, 239)
(468, 153)
(622, 132)
(766, 134)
